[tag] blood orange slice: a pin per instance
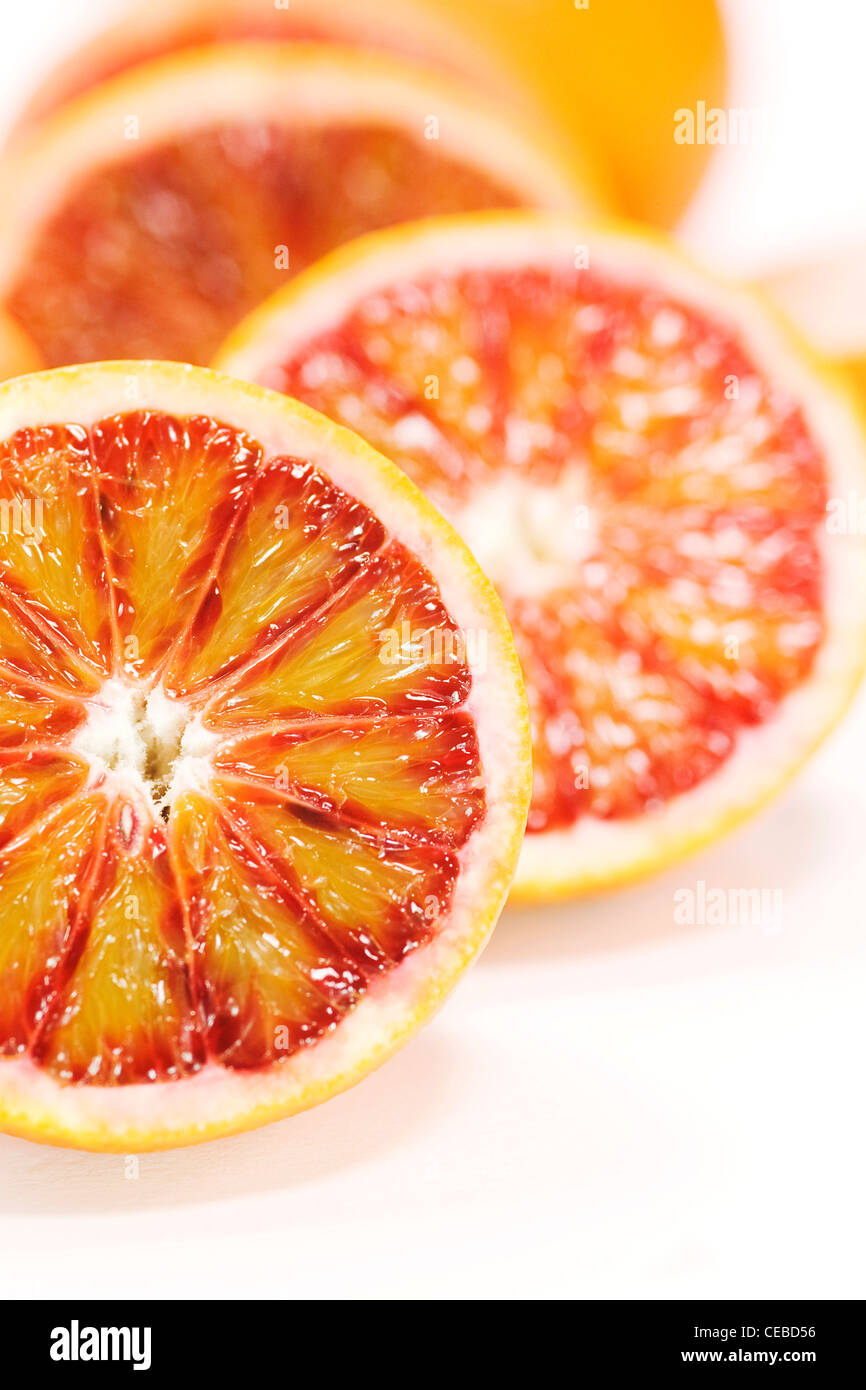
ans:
(264, 756)
(611, 76)
(146, 218)
(642, 463)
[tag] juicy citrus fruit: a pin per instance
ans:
(17, 353)
(145, 219)
(611, 75)
(642, 464)
(826, 301)
(265, 756)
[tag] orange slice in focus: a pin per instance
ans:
(646, 469)
(146, 218)
(264, 756)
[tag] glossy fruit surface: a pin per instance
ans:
(264, 757)
(646, 467)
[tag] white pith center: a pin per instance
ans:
(529, 538)
(145, 739)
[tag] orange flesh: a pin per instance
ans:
(647, 503)
(223, 812)
(159, 255)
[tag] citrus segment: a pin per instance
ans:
(419, 773)
(168, 491)
(295, 543)
(31, 781)
(270, 981)
(378, 895)
(205, 875)
(642, 464)
(28, 715)
(33, 662)
(50, 557)
(44, 880)
(124, 1013)
(241, 166)
(385, 645)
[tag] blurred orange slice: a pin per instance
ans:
(264, 757)
(651, 474)
(611, 74)
(146, 218)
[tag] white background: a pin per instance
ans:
(610, 1105)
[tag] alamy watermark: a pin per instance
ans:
(718, 125)
(846, 516)
(705, 906)
(436, 646)
(22, 518)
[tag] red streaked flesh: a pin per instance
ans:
(50, 556)
(380, 895)
(419, 773)
(269, 980)
(28, 715)
(32, 781)
(31, 656)
(297, 541)
(125, 1013)
(150, 927)
(44, 878)
(385, 646)
(159, 255)
(648, 504)
(169, 491)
